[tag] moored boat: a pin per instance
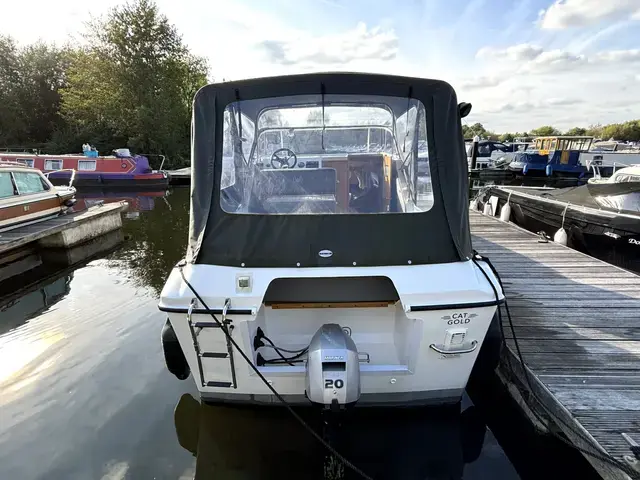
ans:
(329, 262)
(122, 170)
(552, 156)
(592, 218)
(27, 196)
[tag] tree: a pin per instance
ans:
(507, 137)
(576, 132)
(134, 84)
(545, 131)
(12, 122)
(594, 131)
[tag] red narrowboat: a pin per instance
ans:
(122, 170)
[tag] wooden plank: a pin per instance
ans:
(25, 235)
(611, 346)
(576, 321)
(551, 329)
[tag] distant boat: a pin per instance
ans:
(27, 196)
(122, 170)
(558, 156)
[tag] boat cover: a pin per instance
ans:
(620, 197)
(438, 235)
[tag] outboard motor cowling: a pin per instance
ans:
(333, 368)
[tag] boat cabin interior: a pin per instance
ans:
(319, 159)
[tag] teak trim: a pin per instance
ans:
(290, 306)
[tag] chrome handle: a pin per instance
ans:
(190, 310)
(445, 351)
(227, 304)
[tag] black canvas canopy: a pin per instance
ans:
(439, 235)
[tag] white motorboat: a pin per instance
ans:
(323, 266)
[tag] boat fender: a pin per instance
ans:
(473, 204)
(561, 237)
(525, 168)
(173, 354)
(505, 211)
(549, 170)
(487, 209)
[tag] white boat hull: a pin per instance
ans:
(403, 368)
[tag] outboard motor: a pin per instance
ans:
(333, 368)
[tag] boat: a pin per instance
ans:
(488, 152)
(121, 170)
(27, 196)
(321, 269)
(605, 157)
(593, 218)
(557, 156)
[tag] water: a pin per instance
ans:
(85, 393)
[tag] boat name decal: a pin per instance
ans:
(325, 253)
(633, 241)
(459, 318)
(612, 235)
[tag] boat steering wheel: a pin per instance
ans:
(284, 158)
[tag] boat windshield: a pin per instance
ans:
(342, 155)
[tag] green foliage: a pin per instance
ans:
(131, 86)
(134, 85)
(545, 131)
(576, 132)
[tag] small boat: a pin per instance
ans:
(27, 196)
(604, 158)
(592, 218)
(121, 170)
(552, 156)
(488, 152)
(329, 261)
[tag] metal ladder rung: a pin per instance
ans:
(205, 325)
(219, 384)
(214, 354)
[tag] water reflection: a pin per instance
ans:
(25, 305)
(138, 201)
(414, 443)
(156, 241)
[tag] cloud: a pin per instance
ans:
(529, 107)
(481, 82)
(618, 56)
(554, 60)
(516, 53)
(361, 43)
(528, 58)
(579, 13)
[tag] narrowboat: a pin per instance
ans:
(27, 196)
(322, 267)
(121, 170)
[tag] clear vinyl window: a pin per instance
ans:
(335, 154)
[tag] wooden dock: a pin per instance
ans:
(577, 322)
(66, 230)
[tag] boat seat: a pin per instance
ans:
(298, 190)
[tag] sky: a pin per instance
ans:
(521, 63)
